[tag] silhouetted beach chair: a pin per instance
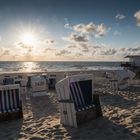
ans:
(10, 102)
(78, 104)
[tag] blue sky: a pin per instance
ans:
(69, 29)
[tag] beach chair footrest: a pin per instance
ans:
(11, 115)
(86, 115)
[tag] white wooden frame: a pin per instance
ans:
(67, 108)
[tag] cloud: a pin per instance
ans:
(78, 54)
(110, 51)
(91, 28)
(76, 38)
(71, 46)
(49, 49)
(137, 16)
(49, 42)
(23, 45)
(101, 30)
(6, 52)
(63, 52)
(84, 47)
(129, 51)
(67, 25)
(134, 49)
(120, 16)
(93, 52)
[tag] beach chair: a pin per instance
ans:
(23, 85)
(10, 102)
(8, 80)
(77, 101)
(119, 79)
(38, 85)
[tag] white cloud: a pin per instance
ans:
(67, 25)
(49, 49)
(78, 54)
(91, 29)
(137, 16)
(101, 30)
(49, 42)
(63, 52)
(120, 16)
(98, 51)
(76, 38)
(110, 51)
(6, 52)
(74, 51)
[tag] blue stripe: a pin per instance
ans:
(10, 107)
(1, 106)
(80, 94)
(6, 108)
(17, 98)
(12, 92)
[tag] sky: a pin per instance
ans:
(69, 30)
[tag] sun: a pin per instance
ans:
(28, 38)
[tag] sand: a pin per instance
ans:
(120, 121)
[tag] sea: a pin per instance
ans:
(14, 66)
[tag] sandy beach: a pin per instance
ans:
(121, 118)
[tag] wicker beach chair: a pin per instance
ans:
(38, 85)
(119, 79)
(77, 101)
(10, 102)
(23, 85)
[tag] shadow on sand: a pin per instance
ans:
(119, 101)
(101, 129)
(9, 130)
(45, 104)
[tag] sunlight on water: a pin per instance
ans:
(56, 66)
(29, 66)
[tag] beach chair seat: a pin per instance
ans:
(78, 104)
(10, 102)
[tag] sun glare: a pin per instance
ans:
(28, 38)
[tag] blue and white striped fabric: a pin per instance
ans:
(81, 94)
(9, 100)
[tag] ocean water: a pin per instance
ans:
(10, 66)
